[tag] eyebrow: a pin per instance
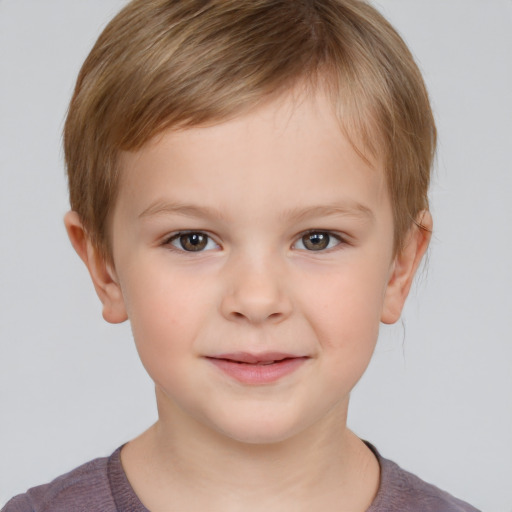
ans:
(186, 210)
(342, 208)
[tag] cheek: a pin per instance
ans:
(166, 312)
(345, 316)
(350, 300)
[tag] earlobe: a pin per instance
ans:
(404, 268)
(102, 273)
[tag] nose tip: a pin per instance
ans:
(256, 315)
(256, 299)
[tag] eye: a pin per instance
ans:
(192, 242)
(317, 241)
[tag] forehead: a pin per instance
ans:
(290, 151)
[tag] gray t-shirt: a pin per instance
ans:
(102, 486)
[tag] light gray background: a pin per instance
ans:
(437, 396)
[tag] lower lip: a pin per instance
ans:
(258, 373)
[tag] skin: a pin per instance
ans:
(256, 186)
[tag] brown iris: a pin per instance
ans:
(193, 241)
(316, 241)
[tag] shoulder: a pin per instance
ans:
(86, 488)
(402, 491)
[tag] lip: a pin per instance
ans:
(255, 369)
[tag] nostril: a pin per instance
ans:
(271, 316)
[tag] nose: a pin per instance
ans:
(255, 293)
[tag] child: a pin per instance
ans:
(248, 183)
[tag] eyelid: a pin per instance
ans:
(167, 241)
(340, 237)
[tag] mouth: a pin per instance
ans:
(255, 369)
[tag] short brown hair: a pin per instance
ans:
(163, 64)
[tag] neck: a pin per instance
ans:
(186, 462)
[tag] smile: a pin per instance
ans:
(257, 369)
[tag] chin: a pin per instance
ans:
(259, 429)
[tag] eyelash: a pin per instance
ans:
(330, 236)
(183, 234)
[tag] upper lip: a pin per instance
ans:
(250, 358)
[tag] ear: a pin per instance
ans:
(102, 274)
(404, 267)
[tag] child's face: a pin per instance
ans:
(286, 251)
